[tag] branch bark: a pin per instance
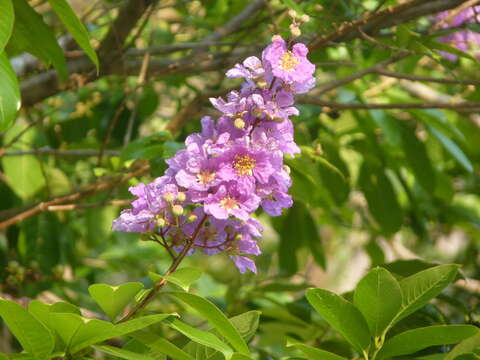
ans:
(13, 216)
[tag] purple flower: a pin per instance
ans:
(464, 40)
(292, 66)
(246, 165)
(212, 188)
(229, 200)
(244, 263)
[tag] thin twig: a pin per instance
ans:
(14, 216)
(463, 106)
(176, 262)
(426, 78)
(58, 152)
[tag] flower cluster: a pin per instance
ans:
(234, 166)
(463, 39)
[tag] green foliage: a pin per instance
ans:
(113, 299)
(75, 27)
(370, 186)
(35, 338)
(378, 296)
(33, 35)
(9, 93)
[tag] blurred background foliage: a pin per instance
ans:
(373, 185)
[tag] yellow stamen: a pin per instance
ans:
(244, 165)
(228, 203)
(288, 62)
(205, 177)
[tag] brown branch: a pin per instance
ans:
(463, 106)
(57, 152)
(426, 78)
(337, 83)
(176, 262)
(391, 16)
(14, 216)
(70, 207)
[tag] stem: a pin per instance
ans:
(176, 262)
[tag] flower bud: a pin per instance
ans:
(292, 13)
(161, 222)
(168, 197)
(276, 37)
(181, 196)
(192, 218)
(177, 210)
(305, 18)
(239, 123)
(295, 30)
(238, 237)
(286, 168)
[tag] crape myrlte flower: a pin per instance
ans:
(462, 39)
(212, 188)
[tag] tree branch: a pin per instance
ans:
(14, 216)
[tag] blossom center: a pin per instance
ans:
(288, 61)
(228, 203)
(205, 177)
(244, 164)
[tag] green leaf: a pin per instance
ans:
(184, 277)
(34, 337)
(381, 198)
(113, 299)
(245, 323)
(342, 316)
(465, 347)
(316, 354)
(9, 92)
(452, 148)
(140, 323)
(31, 34)
(238, 356)
(140, 149)
(202, 337)
(121, 353)
(418, 159)
(411, 341)
(161, 345)
(75, 27)
(210, 312)
(78, 333)
(6, 22)
(423, 286)
(379, 298)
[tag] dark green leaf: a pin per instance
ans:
(411, 341)
(452, 148)
(121, 353)
(31, 34)
(75, 27)
(202, 337)
(379, 298)
(6, 22)
(210, 312)
(418, 159)
(342, 316)
(381, 198)
(423, 286)
(34, 337)
(9, 93)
